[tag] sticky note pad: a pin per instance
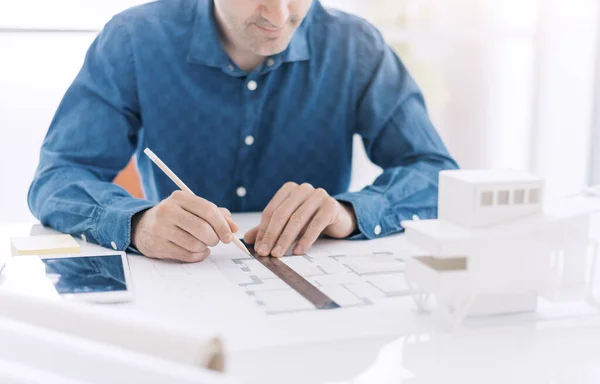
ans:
(44, 245)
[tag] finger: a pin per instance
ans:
(227, 214)
(232, 225)
(207, 211)
(169, 250)
(250, 236)
(195, 226)
(194, 257)
(281, 217)
(275, 202)
(323, 218)
(298, 221)
(185, 240)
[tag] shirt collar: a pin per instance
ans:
(298, 49)
(206, 47)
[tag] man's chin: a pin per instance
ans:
(272, 47)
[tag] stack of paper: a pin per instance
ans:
(44, 245)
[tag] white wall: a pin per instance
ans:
(565, 95)
(60, 14)
(510, 84)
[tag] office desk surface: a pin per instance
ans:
(389, 342)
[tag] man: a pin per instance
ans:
(253, 104)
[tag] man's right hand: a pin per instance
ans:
(181, 227)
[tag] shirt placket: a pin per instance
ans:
(251, 98)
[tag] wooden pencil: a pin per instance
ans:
(159, 163)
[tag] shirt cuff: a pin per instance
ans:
(132, 249)
(113, 223)
(376, 217)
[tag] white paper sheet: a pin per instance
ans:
(242, 299)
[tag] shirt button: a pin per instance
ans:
(83, 237)
(231, 68)
(241, 191)
(252, 85)
(249, 140)
(112, 243)
(377, 230)
(270, 62)
(416, 217)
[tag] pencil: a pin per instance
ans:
(159, 163)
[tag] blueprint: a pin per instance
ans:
(348, 279)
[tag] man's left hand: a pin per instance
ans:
(300, 211)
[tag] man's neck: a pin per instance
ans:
(243, 58)
(246, 60)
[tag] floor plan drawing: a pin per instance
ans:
(348, 279)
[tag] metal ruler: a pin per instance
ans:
(294, 280)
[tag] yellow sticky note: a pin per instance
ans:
(44, 245)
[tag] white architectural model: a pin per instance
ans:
(479, 198)
(495, 247)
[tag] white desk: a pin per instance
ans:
(385, 343)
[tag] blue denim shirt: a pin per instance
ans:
(157, 76)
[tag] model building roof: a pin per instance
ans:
(496, 176)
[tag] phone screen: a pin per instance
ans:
(53, 276)
(89, 274)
